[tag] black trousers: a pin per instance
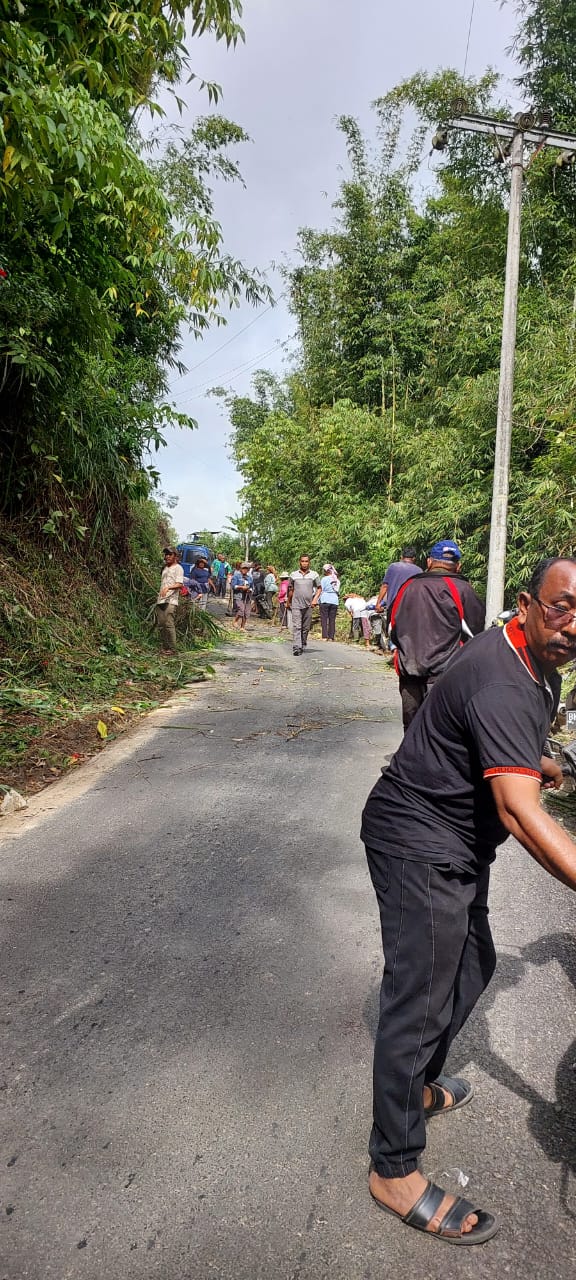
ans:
(438, 958)
(413, 690)
(328, 619)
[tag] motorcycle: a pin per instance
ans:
(379, 629)
(565, 755)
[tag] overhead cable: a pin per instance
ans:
(232, 339)
(227, 377)
(468, 40)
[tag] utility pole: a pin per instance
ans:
(511, 137)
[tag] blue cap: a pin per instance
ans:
(445, 550)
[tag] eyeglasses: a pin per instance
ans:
(554, 615)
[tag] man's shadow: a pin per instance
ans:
(552, 1124)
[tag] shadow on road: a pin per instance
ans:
(552, 1124)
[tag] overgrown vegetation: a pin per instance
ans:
(78, 649)
(384, 432)
(109, 246)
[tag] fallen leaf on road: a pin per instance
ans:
(102, 729)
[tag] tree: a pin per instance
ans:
(113, 245)
(545, 46)
(388, 435)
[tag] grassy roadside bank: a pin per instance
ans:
(79, 659)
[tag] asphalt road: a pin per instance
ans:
(191, 964)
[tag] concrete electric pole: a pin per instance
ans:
(511, 138)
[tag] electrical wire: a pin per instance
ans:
(237, 372)
(232, 339)
(468, 40)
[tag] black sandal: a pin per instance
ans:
(462, 1092)
(450, 1227)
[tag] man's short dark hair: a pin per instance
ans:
(408, 553)
(541, 569)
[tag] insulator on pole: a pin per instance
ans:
(440, 139)
(525, 119)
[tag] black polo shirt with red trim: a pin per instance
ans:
(489, 714)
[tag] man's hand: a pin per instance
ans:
(551, 774)
(517, 799)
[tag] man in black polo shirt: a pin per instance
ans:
(467, 774)
(432, 615)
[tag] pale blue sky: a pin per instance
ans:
(304, 63)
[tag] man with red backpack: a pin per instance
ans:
(433, 614)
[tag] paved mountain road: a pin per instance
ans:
(191, 964)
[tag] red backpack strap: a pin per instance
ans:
(397, 600)
(454, 592)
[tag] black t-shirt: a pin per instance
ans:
(489, 714)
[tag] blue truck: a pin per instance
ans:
(190, 552)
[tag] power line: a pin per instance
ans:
(236, 370)
(233, 338)
(227, 377)
(468, 40)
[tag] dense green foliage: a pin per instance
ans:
(384, 432)
(109, 246)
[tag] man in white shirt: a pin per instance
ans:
(167, 601)
(357, 607)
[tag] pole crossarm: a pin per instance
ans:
(508, 129)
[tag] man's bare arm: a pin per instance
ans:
(383, 592)
(517, 800)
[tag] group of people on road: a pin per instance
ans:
(477, 708)
(252, 587)
(202, 580)
(468, 773)
(293, 596)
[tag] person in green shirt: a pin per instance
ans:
(221, 570)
